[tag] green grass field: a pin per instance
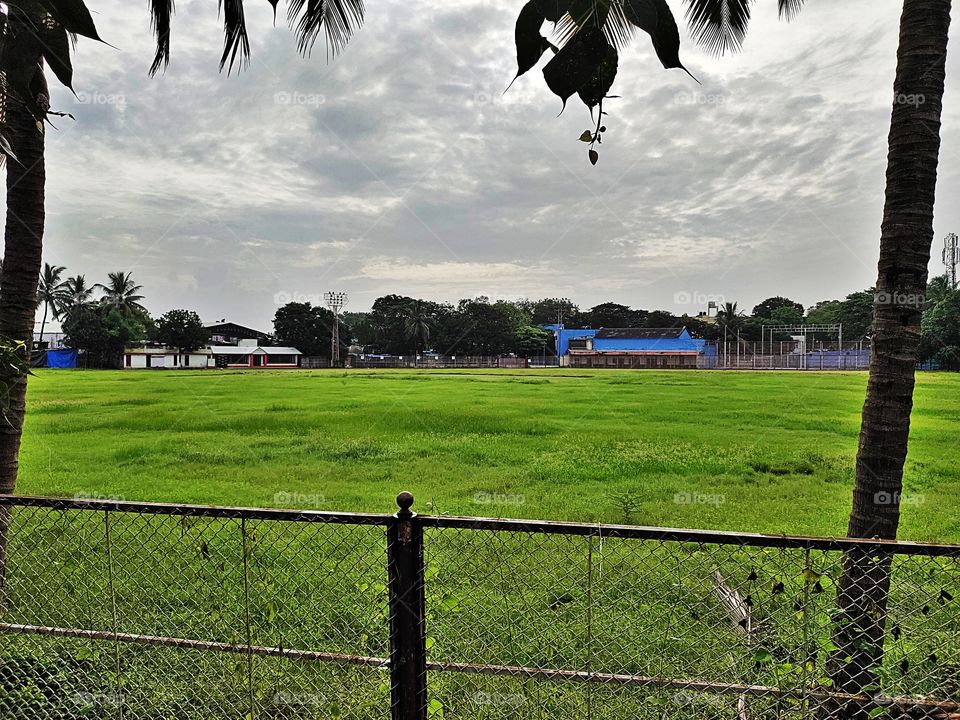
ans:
(759, 452)
(770, 451)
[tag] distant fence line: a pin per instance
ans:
(139, 611)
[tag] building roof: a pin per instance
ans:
(253, 350)
(644, 333)
(229, 329)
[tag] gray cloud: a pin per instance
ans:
(401, 166)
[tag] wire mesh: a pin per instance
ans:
(139, 615)
(115, 611)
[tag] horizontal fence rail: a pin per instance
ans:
(147, 611)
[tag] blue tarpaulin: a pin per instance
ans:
(63, 359)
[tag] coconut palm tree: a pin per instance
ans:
(419, 320)
(122, 292)
(78, 291)
(906, 235)
(731, 316)
(34, 37)
(51, 293)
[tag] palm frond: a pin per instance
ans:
(720, 25)
(235, 34)
(160, 13)
(789, 8)
(607, 13)
(339, 19)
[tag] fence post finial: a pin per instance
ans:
(405, 502)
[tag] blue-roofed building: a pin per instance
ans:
(626, 347)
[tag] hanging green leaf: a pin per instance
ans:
(553, 10)
(56, 52)
(572, 67)
(74, 16)
(642, 13)
(599, 85)
(530, 43)
(594, 156)
(655, 18)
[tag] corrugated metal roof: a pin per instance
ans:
(644, 333)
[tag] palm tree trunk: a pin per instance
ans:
(22, 257)
(905, 239)
(43, 323)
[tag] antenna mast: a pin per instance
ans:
(951, 258)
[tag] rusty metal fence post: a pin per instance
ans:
(408, 637)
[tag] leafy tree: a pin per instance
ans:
(659, 319)
(551, 310)
(940, 327)
(614, 315)
(308, 328)
(787, 315)
(768, 307)
(181, 329)
(51, 293)
(102, 332)
(532, 340)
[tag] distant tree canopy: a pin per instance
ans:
(769, 307)
(307, 328)
(940, 338)
(102, 331)
(181, 329)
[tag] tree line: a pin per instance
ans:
(103, 318)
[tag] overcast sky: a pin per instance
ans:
(400, 166)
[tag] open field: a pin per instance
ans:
(770, 452)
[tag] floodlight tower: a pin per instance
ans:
(335, 301)
(951, 258)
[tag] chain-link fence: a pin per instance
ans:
(132, 611)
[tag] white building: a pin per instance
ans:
(163, 357)
(255, 356)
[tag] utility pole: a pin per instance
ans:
(335, 301)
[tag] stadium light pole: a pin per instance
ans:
(335, 302)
